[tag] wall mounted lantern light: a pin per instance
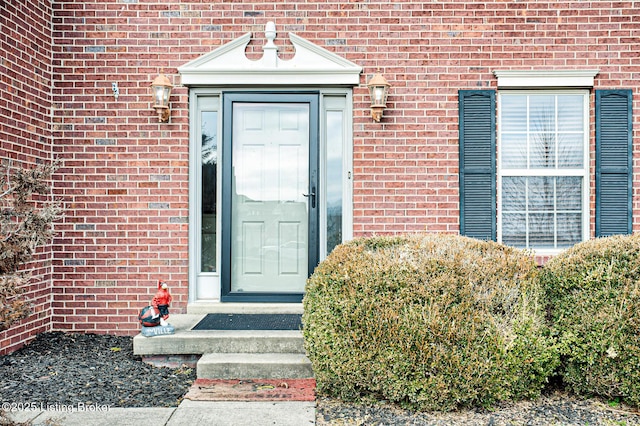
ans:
(378, 89)
(161, 87)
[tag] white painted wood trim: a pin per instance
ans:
(523, 79)
(228, 65)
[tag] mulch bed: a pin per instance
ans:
(90, 369)
(557, 408)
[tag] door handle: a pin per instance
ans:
(312, 197)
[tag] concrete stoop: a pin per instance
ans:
(224, 354)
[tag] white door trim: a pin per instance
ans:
(228, 65)
(227, 68)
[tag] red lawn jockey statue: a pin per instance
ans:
(161, 302)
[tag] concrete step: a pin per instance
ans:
(201, 342)
(227, 354)
(252, 366)
(195, 342)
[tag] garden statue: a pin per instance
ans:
(153, 318)
(161, 302)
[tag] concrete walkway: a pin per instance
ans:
(189, 413)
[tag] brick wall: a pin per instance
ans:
(125, 178)
(25, 133)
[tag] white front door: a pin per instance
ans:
(271, 231)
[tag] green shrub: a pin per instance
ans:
(432, 322)
(594, 306)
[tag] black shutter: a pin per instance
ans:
(478, 163)
(613, 162)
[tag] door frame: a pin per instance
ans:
(228, 99)
(205, 286)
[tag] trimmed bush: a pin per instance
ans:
(594, 307)
(432, 322)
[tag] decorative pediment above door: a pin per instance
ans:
(312, 65)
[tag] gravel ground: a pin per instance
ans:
(70, 369)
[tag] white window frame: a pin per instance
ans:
(336, 100)
(584, 172)
(207, 284)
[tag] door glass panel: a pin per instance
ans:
(209, 120)
(334, 178)
(269, 213)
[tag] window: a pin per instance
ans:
(543, 173)
(209, 126)
(542, 169)
(337, 166)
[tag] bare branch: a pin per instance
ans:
(27, 213)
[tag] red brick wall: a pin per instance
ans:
(126, 176)
(25, 133)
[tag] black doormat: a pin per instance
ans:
(250, 322)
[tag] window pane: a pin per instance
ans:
(541, 193)
(542, 115)
(514, 117)
(569, 193)
(514, 228)
(570, 150)
(570, 113)
(334, 179)
(209, 120)
(543, 150)
(513, 194)
(514, 151)
(541, 227)
(569, 229)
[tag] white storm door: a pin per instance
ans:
(271, 197)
